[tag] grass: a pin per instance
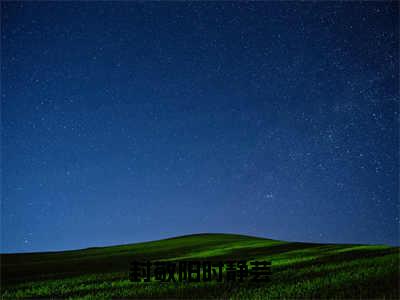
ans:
(299, 270)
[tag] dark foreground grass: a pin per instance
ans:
(299, 270)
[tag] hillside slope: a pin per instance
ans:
(299, 270)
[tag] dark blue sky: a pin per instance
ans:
(125, 122)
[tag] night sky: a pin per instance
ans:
(125, 122)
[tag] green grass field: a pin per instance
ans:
(299, 270)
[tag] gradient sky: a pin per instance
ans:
(125, 122)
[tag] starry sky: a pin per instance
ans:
(129, 121)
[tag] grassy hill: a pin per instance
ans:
(299, 270)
